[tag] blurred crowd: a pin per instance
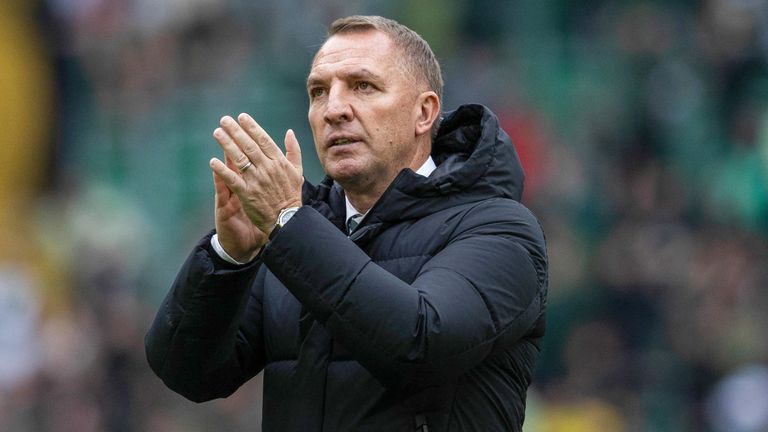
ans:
(642, 126)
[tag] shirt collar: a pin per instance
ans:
(425, 170)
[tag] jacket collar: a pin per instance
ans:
(475, 160)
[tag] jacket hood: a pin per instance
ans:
(475, 160)
(472, 152)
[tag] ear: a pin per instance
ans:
(428, 108)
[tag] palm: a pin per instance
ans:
(250, 196)
(237, 234)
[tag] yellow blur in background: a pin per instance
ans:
(26, 120)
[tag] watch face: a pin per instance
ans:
(286, 215)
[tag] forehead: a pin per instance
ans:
(369, 49)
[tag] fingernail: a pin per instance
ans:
(244, 117)
(225, 120)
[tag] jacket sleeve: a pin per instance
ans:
(483, 292)
(206, 339)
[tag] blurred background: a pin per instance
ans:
(642, 126)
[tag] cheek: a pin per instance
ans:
(399, 128)
(403, 121)
(313, 116)
(316, 133)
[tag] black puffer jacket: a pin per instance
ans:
(431, 312)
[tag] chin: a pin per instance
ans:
(346, 171)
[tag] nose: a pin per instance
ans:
(338, 109)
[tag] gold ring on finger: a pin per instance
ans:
(246, 166)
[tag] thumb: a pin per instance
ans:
(293, 150)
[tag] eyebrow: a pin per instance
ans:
(362, 73)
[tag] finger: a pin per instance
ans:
(221, 188)
(293, 150)
(260, 136)
(241, 140)
(231, 179)
(231, 164)
(231, 150)
(222, 192)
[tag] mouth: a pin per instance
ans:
(342, 141)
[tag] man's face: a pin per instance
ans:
(363, 109)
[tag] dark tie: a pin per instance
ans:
(353, 222)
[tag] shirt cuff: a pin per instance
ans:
(221, 252)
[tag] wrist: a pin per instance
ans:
(230, 258)
(283, 217)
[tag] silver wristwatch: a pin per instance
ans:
(285, 215)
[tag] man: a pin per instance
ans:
(405, 292)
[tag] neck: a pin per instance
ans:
(363, 202)
(364, 193)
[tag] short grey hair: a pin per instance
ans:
(418, 58)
